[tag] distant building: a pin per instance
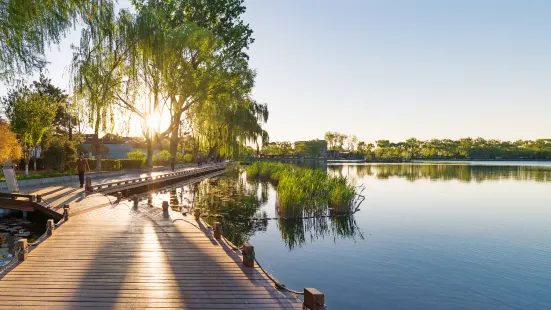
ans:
(117, 146)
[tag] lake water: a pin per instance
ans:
(427, 236)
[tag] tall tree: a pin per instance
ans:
(199, 49)
(99, 67)
(30, 114)
(64, 120)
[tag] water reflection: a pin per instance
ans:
(444, 172)
(297, 232)
(247, 207)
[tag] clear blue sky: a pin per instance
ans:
(392, 69)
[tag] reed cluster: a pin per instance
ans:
(305, 191)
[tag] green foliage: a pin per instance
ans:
(26, 28)
(466, 148)
(106, 164)
(42, 174)
(162, 159)
(30, 113)
(188, 158)
(303, 190)
(99, 66)
(311, 148)
(283, 148)
(132, 163)
(137, 155)
(64, 121)
(58, 153)
(432, 171)
(194, 53)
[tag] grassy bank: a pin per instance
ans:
(40, 174)
(303, 190)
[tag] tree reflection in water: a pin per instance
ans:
(296, 231)
(242, 203)
(444, 172)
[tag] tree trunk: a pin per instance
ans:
(174, 137)
(98, 151)
(27, 154)
(98, 161)
(97, 141)
(149, 160)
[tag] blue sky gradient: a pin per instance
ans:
(396, 69)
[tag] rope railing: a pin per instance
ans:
(276, 282)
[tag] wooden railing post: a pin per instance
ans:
(217, 230)
(23, 249)
(50, 227)
(165, 207)
(197, 213)
(314, 299)
(38, 198)
(88, 186)
(248, 255)
(150, 201)
(119, 196)
(136, 200)
(66, 212)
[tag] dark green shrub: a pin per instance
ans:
(59, 154)
(39, 164)
(132, 163)
(188, 158)
(106, 164)
(162, 159)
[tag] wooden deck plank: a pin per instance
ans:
(118, 257)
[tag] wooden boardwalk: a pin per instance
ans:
(55, 196)
(115, 256)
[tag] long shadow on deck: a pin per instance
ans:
(217, 277)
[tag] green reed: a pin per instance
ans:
(303, 190)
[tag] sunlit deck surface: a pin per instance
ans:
(119, 257)
(56, 195)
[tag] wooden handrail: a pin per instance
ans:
(157, 177)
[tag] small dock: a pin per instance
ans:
(115, 255)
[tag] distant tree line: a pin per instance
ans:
(465, 148)
(311, 148)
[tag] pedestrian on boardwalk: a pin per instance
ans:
(82, 166)
(172, 160)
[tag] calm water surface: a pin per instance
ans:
(428, 236)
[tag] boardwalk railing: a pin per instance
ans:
(130, 183)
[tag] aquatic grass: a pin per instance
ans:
(304, 191)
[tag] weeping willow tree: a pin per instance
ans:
(224, 129)
(99, 67)
(192, 46)
(27, 27)
(176, 64)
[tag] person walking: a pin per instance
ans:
(82, 166)
(172, 163)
